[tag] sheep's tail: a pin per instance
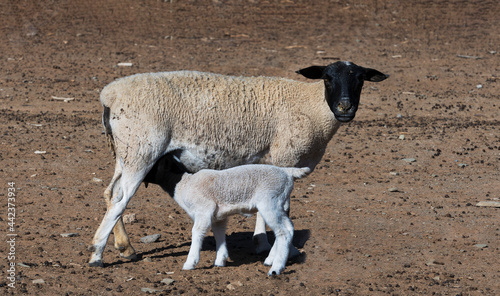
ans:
(298, 173)
(107, 129)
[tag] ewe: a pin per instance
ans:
(214, 121)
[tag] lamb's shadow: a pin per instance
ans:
(242, 250)
(239, 244)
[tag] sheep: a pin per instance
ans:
(215, 121)
(211, 196)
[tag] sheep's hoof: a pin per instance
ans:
(293, 252)
(127, 252)
(132, 257)
(97, 263)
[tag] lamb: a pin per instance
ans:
(217, 122)
(211, 196)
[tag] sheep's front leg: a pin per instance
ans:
(219, 230)
(200, 228)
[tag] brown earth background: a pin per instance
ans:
(367, 221)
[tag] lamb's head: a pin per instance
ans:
(166, 172)
(343, 84)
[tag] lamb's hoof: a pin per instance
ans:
(187, 268)
(220, 264)
(97, 263)
(268, 261)
(274, 272)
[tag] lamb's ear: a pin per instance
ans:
(313, 72)
(374, 75)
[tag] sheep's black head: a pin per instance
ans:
(343, 84)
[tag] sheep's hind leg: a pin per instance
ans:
(128, 184)
(122, 241)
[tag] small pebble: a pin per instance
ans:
(487, 203)
(462, 165)
(401, 137)
(167, 281)
(97, 180)
(71, 234)
(433, 262)
(150, 291)
(38, 281)
(150, 238)
(393, 189)
(481, 246)
(409, 159)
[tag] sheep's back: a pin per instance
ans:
(213, 115)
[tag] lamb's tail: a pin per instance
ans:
(107, 129)
(298, 173)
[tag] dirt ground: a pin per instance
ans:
(369, 220)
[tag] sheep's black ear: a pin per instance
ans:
(313, 72)
(374, 75)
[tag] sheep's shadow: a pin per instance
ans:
(142, 255)
(239, 244)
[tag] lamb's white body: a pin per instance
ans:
(210, 197)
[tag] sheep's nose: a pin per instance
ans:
(344, 106)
